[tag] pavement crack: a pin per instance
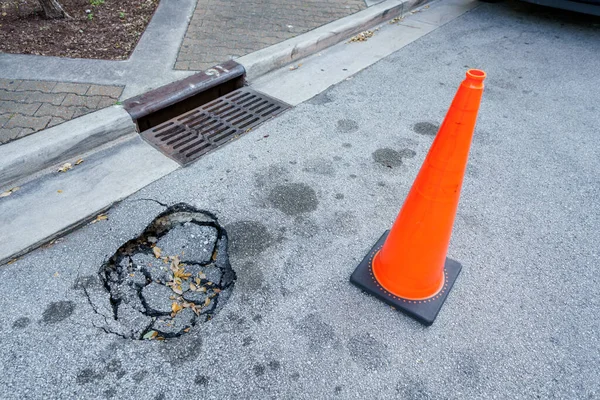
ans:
(154, 200)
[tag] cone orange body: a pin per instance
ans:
(411, 262)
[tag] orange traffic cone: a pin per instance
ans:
(407, 268)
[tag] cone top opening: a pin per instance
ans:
(476, 75)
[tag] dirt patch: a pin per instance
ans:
(100, 29)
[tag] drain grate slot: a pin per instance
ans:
(188, 136)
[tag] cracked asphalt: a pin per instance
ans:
(305, 196)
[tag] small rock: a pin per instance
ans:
(195, 297)
(136, 279)
(188, 242)
(135, 320)
(172, 326)
(211, 272)
(157, 298)
(156, 268)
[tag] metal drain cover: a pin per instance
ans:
(187, 137)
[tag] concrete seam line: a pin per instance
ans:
(278, 55)
(29, 155)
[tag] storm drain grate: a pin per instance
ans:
(187, 137)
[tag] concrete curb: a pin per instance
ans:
(31, 154)
(27, 156)
(278, 55)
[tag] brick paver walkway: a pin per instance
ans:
(29, 106)
(225, 29)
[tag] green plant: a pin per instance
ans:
(90, 16)
(96, 3)
(121, 15)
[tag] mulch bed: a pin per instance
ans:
(101, 29)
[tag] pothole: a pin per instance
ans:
(173, 276)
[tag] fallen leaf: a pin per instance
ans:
(156, 251)
(396, 20)
(198, 281)
(177, 289)
(150, 335)
(59, 191)
(100, 217)
(176, 307)
(201, 276)
(362, 37)
(9, 191)
(201, 289)
(186, 330)
(12, 261)
(193, 287)
(162, 339)
(65, 167)
(206, 302)
(217, 290)
(56, 275)
(79, 161)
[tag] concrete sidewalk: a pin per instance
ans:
(305, 196)
(38, 92)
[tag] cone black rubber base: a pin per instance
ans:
(423, 311)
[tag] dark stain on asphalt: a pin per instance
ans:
(86, 282)
(468, 369)
(319, 333)
(319, 166)
(413, 390)
(188, 348)
(257, 318)
(21, 323)
(58, 311)
(259, 370)
(160, 396)
(347, 125)
(139, 376)
(353, 176)
(247, 341)
(274, 365)
(365, 350)
(250, 278)
(294, 198)
(201, 380)
(88, 375)
(337, 390)
(339, 196)
(380, 183)
(273, 173)
(391, 158)
(426, 128)
(295, 376)
(110, 393)
(248, 238)
(320, 99)
(346, 145)
(116, 367)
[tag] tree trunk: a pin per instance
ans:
(53, 10)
